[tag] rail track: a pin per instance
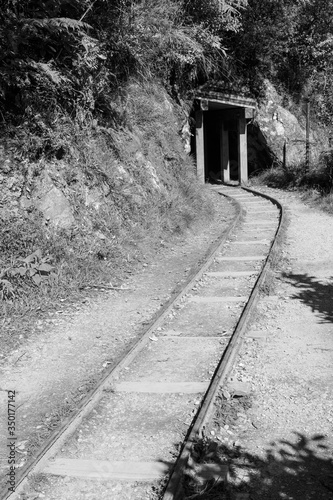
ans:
(140, 423)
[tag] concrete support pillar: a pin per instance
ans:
(225, 160)
(199, 146)
(242, 150)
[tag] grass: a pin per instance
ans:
(278, 260)
(129, 188)
(315, 185)
(315, 199)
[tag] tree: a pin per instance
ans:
(289, 42)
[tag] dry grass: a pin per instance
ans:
(316, 199)
(315, 185)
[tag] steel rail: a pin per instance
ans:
(53, 444)
(173, 490)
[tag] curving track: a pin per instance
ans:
(130, 432)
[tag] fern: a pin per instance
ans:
(233, 6)
(217, 15)
(58, 25)
(54, 75)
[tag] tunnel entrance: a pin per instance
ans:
(221, 136)
(233, 154)
(212, 147)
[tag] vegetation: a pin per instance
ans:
(139, 193)
(290, 44)
(315, 185)
(92, 96)
(65, 62)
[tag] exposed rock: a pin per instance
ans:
(93, 197)
(53, 203)
(277, 135)
(26, 203)
(100, 235)
(150, 170)
(123, 175)
(186, 135)
(239, 389)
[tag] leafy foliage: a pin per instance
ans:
(34, 266)
(7, 291)
(64, 60)
(34, 269)
(290, 43)
(218, 15)
(318, 179)
(162, 45)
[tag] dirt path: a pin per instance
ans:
(58, 365)
(282, 447)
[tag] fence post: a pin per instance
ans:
(284, 161)
(307, 141)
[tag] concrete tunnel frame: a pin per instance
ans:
(222, 112)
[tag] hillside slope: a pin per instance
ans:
(93, 219)
(93, 172)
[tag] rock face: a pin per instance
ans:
(53, 204)
(120, 175)
(279, 136)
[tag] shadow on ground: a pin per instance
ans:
(314, 293)
(286, 470)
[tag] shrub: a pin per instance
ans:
(277, 177)
(322, 176)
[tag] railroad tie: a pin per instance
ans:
(260, 222)
(257, 335)
(231, 274)
(214, 299)
(162, 387)
(250, 200)
(249, 229)
(103, 470)
(246, 199)
(249, 258)
(255, 212)
(252, 242)
(239, 193)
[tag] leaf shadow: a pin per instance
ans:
(314, 293)
(298, 469)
